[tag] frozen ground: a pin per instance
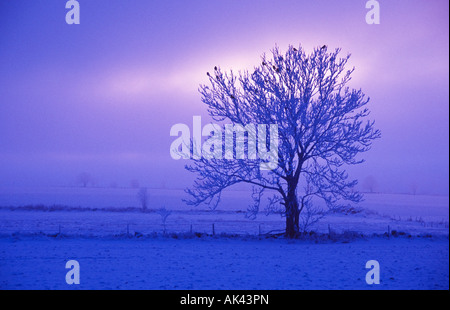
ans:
(208, 263)
(35, 243)
(381, 212)
(430, 208)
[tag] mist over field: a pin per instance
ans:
(100, 97)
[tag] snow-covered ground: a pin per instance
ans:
(381, 212)
(33, 255)
(217, 263)
(433, 208)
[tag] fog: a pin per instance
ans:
(100, 97)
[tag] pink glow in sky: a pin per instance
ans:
(101, 96)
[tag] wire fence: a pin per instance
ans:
(132, 229)
(133, 223)
(242, 228)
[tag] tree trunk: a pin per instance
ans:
(290, 226)
(292, 213)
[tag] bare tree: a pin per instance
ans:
(164, 213)
(84, 179)
(370, 183)
(142, 196)
(414, 187)
(134, 183)
(321, 126)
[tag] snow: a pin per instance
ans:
(404, 205)
(33, 255)
(381, 212)
(220, 263)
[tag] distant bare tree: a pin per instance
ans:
(142, 196)
(414, 188)
(134, 183)
(164, 213)
(83, 179)
(370, 184)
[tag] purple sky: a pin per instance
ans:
(101, 96)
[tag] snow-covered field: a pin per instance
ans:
(35, 243)
(381, 212)
(210, 263)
